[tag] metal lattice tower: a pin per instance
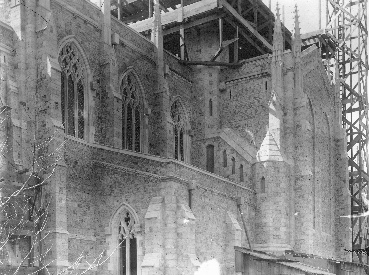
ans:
(346, 23)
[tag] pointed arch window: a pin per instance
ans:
(262, 185)
(73, 79)
(131, 114)
(210, 107)
(177, 115)
(241, 173)
(210, 158)
(127, 245)
(224, 158)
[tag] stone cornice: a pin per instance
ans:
(154, 158)
(248, 77)
(78, 13)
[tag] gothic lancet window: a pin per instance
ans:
(127, 245)
(131, 113)
(177, 115)
(72, 91)
(224, 158)
(210, 107)
(233, 165)
(241, 173)
(210, 158)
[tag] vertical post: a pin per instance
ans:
(150, 8)
(182, 34)
(236, 47)
(220, 32)
(239, 8)
(270, 4)
(239, 204)
(320, 14)
(119, 8)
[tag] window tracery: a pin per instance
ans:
(177, 115)
(131, 114)
(127, 245)
(72, 91)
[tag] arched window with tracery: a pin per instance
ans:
(178, 118)
(73, 79)
(131, 113)
(127, 245)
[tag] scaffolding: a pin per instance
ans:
(346, 46)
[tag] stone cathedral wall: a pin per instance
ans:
(112, 177)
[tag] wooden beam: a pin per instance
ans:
(220, 32)
(235, 51)
(243, 33)
(222, 47)
(246, 24)
(210, 63)
(194, 23)
(172, 16)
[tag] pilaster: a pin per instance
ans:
(162, 111)
(169, 233)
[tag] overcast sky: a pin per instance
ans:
(308, 11)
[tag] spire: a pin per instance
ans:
(296, 44)
(278, 36)
(297, 23)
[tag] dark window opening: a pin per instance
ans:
(177, 115)
(233, 165)
(210, 107)
(210, 158)
(262, 185)
(131, 114)
(72, 92)
(241, 173)
(224, 158)
(127, 247)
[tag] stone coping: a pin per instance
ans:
(158, 159)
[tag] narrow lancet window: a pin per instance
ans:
(224, 158)
(241, 173)
(233, 165)
(210, 158)
(262, 185)
(177, 115)
(210, 107)
(127, 246)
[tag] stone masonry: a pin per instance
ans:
(274, 126)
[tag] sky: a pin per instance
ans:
(308, 11)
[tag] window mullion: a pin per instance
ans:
(66, 104)
(75, 108)
(133, 127)
(128, 256)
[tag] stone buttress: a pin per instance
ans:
(272, 168)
